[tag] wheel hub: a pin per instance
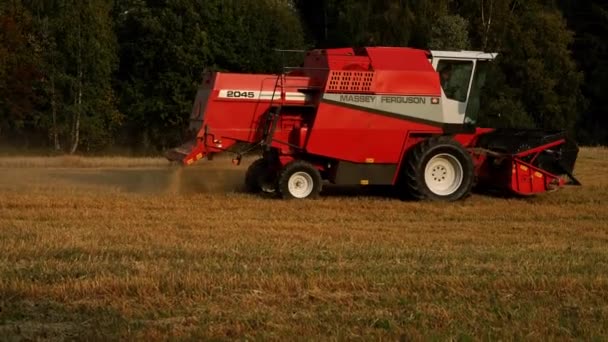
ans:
(300, 185)
(443, 174)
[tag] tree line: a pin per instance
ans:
(88, 76)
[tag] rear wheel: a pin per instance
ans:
(439, 169)
(260, 177)
(300, 180)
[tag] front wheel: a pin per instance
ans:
(443, 174)
(439, 169)
(300, 180)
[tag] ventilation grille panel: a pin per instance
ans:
(351, 81)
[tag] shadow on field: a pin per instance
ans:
(200, 180)
(392, 192)
(193, 180)
(388, 192)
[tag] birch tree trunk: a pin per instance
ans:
(76, 129)
(78, 112)
(54, 113)
(487, 22)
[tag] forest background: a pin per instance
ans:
(100, 76)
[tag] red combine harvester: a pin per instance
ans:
(372, 116)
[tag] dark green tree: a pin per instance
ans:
(540, 83)
(19, 73)
(165, 46)
(78, 49)
(589, 19)
(332, 23)
(450, 32)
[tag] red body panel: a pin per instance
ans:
(357, 136)
(415, 83)
(511, 172)
(226, 121)
(529, 180)
(397, 58)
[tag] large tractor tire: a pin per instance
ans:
(260, 177)
(439, 169)
(300, 180)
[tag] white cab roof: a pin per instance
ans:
(464, 55)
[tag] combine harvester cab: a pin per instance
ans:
(372, 116)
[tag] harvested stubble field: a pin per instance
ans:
(125, 248)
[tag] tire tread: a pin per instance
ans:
(253, 174)
(413, 180)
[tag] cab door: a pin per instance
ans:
(455, 76)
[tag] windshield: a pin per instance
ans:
(474, 104)
(455, 77)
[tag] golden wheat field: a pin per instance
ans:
(121, 248)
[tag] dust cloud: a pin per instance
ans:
(205, 177)
(147, 180)
(181, 180)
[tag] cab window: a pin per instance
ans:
(455, 78)
(474, 104)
